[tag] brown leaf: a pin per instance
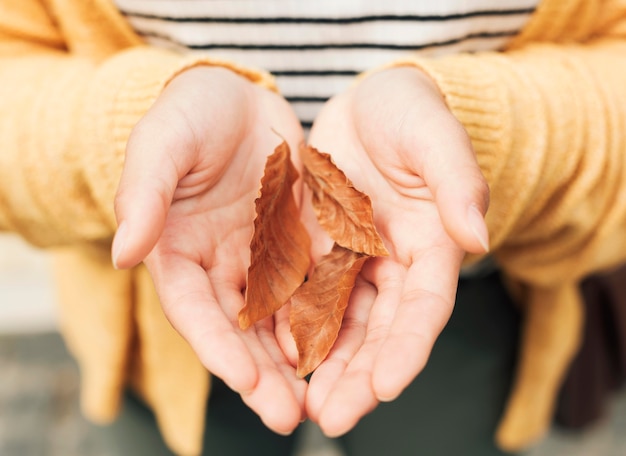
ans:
(342, 210)
(318, 306)
(280, 245)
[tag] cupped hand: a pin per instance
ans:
(185, 206)
(395, 138)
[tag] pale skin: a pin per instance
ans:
(185, 205)
(396, 140)
(185, 208)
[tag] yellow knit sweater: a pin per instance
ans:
(547, 118)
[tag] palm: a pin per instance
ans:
(400, 303)
(211, 173)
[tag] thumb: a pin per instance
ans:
(144, 195)
(459, 188)
(434, 145)
(462, 202)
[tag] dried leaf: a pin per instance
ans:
(280, 245)
(318, 306)
(342, 210)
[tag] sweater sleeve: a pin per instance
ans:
(547, 121)
(74, 80)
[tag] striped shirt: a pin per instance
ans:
(315, 48)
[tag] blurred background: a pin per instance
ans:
(39, 413)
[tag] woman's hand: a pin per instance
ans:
(185, 205)
(395, 138)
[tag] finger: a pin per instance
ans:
(462, 198)
(145, 193)
(283, 335)
(425, 307)
(434, 146)
(166, 144)
(347, 403)
(352, 395)
(452, 174)
(278, 381)
(350, 339)
(190, 304)
(276, 377)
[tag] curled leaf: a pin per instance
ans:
(342, 210)
(318, 306)
(280, 246)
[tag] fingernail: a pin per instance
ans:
(387, 398)
(478, 226)
(119, 242)
(284, 433)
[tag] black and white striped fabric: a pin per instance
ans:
(315, 48)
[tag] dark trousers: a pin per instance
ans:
(451, 409)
